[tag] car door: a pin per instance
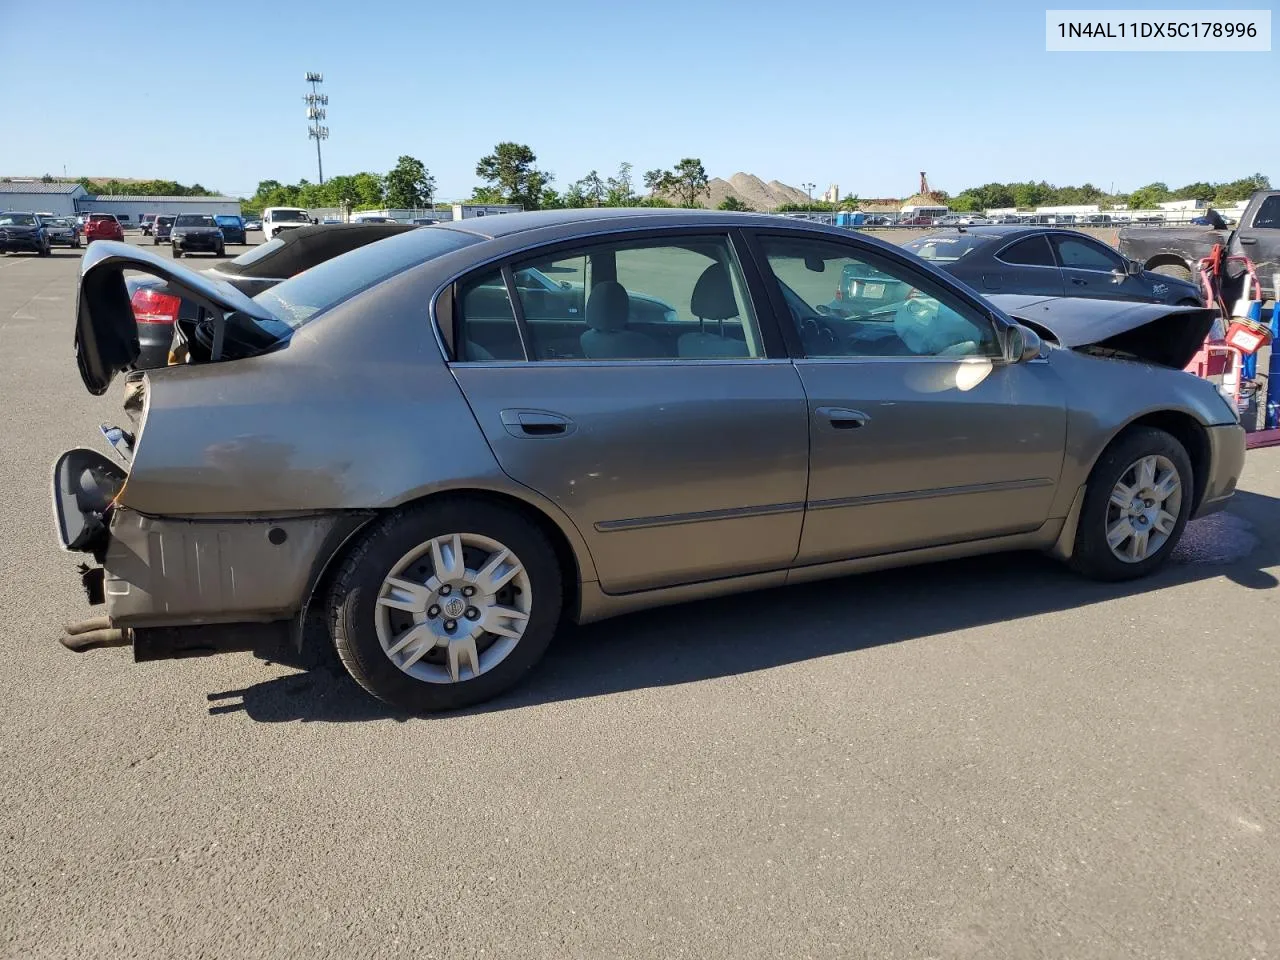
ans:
(1259, 240)
(921, 432)
(679, 448)
(1024, 265)
(1092, 269)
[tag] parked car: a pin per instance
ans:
(1176, 250)
(145, 223)
(920, 221)
(253, 223)
(232, 227)
(276, 219)
(157, 308)
(1051, 263)
(102, 226)
(161, 229)
(423, 221)
(21, 231)
(62, 231)
(974, 220)
(197, 232)
(371, 218)
(339, 443)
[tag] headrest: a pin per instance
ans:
(713, 297)
(608, 307)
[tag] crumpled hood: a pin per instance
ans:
(1155, 332)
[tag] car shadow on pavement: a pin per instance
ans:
(756, 631)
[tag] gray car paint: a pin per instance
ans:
(358, 412)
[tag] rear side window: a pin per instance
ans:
(313, 291)
(1268, 215)
(486, 321)
(1031, 252)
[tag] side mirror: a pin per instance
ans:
(1135, 268)
(1023, 344)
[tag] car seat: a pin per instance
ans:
(712, 299)
(607, 336)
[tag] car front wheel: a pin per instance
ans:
(445, 605)
(1136, 505)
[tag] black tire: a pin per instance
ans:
(177, 253)
(222, 251)
(155, 241)
(1092, 557)
(1178, 271)
(352, 601)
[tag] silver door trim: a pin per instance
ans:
(999, 486)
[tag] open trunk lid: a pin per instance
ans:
(1157, 333)
(106, 330)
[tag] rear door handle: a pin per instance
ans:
(841, 418)
(536, 423)
(1249, 240)
(1079, 283)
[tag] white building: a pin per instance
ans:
(129, 209)
(35, 196)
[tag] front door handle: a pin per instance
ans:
(1079, 283)
(536, 423)
(842, 418)
(1249, 240)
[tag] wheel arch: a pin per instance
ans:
(1168, 260)
(1179, 424)
(568, 548)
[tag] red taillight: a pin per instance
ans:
(151, 306)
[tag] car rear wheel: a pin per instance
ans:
(446, 605)
(1136, 505)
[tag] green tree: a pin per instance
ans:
(487, 195)
(592, 189)
(732, 203)
(1145, 198)
(1228, 193)
(653, 180)
(687, 182)
(409, 184)
(511, 172)
(47, 178)
(621, 190)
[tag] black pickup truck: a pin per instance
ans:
(1174, 251)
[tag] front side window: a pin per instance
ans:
(1078, 254)
(1030, 252)
(1268, 215)
(847, 303)
(675, 299)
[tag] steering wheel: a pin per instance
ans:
(815, 333)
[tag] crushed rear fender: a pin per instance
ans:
(1156, 333)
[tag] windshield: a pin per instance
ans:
(56, 222)
(194, 220)
(17, 220)
(228, 221)
(313, 291)
(289, 215)
(945, 249)
(164, 221)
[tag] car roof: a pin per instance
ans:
(506, 224)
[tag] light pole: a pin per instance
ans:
(316, 103)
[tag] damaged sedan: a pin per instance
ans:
(448, 464)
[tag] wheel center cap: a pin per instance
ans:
(454, 607)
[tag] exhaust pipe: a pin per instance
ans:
(84, 626)
(97, 639)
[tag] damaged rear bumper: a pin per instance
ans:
(185, 586)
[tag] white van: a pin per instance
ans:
(275, 219)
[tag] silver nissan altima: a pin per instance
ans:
(450, 442)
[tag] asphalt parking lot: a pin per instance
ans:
(987, 758)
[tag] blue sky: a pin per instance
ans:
(861, 94)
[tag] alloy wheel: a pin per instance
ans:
(453, 608)
(1143, 509)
